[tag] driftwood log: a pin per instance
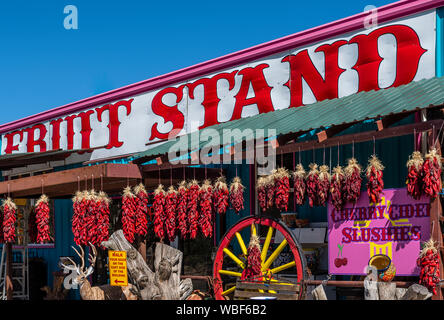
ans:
(162, 284)
(416, 292)
(387, 290)
(371, 287)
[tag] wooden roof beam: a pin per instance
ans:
(388, 121)
(332, 131)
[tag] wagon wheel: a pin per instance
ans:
(233, 237)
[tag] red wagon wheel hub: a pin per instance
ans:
(299, 262)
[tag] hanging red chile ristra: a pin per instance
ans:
(237, 195)
(353, 180)
(312, 185)
(9, 218)
(254, 260)
(129, 214)
(337, 188)
(324, 184)
(192, 208)
(375, 182)
(431, 182)
(181, 207)
(429, 261)
(270, 188)
(103, 217)
(77, 217)
(170, 213)
(282, 179)
(206, 212)
(159, 212)
(42, 220)
(262, 193)
(92, 214)
(220, 196)
(142, 210)
(414, 175)
(299, 184)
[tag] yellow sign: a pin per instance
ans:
(118, 273)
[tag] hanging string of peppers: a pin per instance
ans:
(324, 185)
(282, 180)
(102, 218)
(159, 212)
(181, 208)
(91, 217)
(78, 226)
(337, 188)
(170, 213)
(254, 260)
(375, 182)
(312, 183)
(237, 195)
(262, 193)
(428, 261)
(414, 175)
(270, 188)
(431, 182)
(206, 213)
(192, 208)
(220, 195)
(42, 220)
(299, 176)
(353, 180)
(142, 209)
(9, 218)
(129, 214)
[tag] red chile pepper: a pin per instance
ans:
(102, 218)
(129, 214)
(192, 208)
(353, 180)
(206, 212)
(431, 185)
(159, 212)
(170, 213)
(141, 210)
(375, 182)
(312, 184)
(429, 262)
(270, 188)
(337, 188)
(254, 260)
(262, 193)
(415, 175)
(9, 218)
(324, 184)
(181, 207)
(77, 217)
(237, 195)
(220, 196)
(299, 176)
(42, 220)
(282, 179)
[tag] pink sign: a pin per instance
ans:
(395, 227)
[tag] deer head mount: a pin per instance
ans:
(82, 272)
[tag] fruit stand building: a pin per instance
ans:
(369, 83)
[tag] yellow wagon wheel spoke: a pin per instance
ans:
(274, 255)
(230, 273)
(241, 243)
(283, 267)
(226, 292)
(234, 258)
(266, 244)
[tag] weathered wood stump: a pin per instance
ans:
(164, 283)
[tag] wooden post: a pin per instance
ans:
(8, 277)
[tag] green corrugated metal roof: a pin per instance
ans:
(356, 107)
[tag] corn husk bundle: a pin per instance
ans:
(337, 188)
(42, 220)
(324, 184)
(414, 175)
(142, 209)
(254, 260)
(9, 218)
(375, 182)
(159, 212)
(192, 208)
(353, 180)
(206, 205)
(170, 213)
(431, 181)
(220, 196)
(181, 207)
(262, 193)
(282, 180)
(299, 184)
(312, 185)
(237, 195)
(428, 261)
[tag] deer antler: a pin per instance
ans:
(93, 257)
(81, 256)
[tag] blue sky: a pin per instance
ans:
(44, 66)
